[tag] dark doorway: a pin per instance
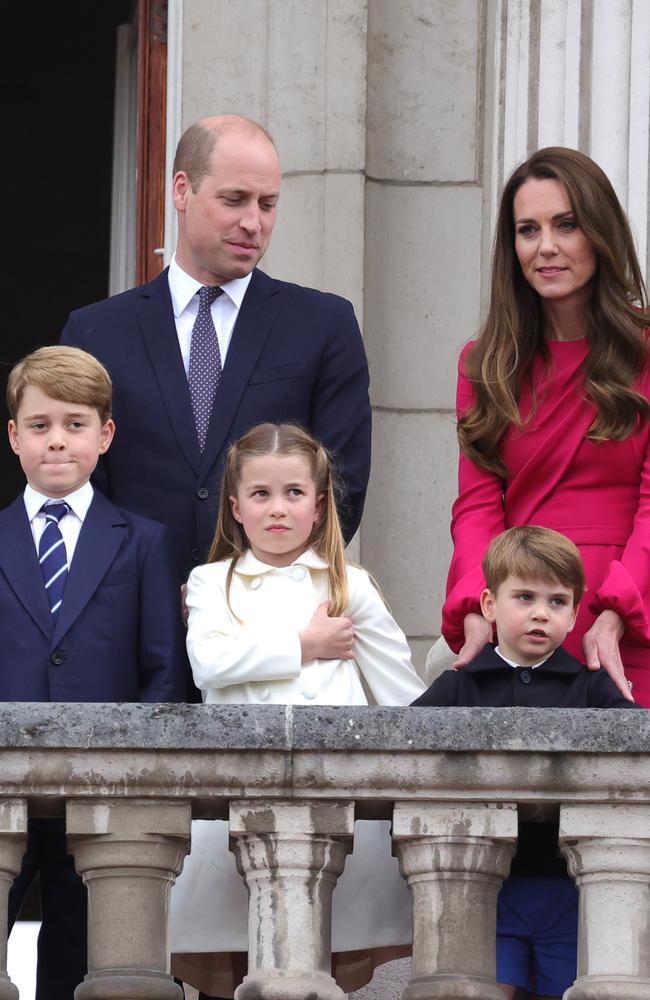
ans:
(58, 158)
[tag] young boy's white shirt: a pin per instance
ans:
(513, 663)
(70, 526)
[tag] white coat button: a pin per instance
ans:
(256, 582)
(309, 693)
(264, 694)
(298, 574)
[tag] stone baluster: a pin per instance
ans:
(607, 848)
(128, 853)
(454, 857)
(290, 854)
(13, 841)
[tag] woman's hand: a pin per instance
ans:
(600, 646)
(477, 633)
(327, 638)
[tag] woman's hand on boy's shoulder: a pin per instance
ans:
(478, 632)
(600, 646)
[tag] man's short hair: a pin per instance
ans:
(64, 373)
(531, 552)
(198, 141)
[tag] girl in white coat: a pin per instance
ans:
(278, 617)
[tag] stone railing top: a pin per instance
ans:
(329, 729)
(212, 755)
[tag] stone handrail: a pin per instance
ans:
(128, 779)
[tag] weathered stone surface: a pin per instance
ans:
(423, 110)
(607, 848)
(290, 855)
(340, 728)
(415, 328)
(13, 840)
(455, 859)
(388, 982)
(128, 854)
(127, 726)
(410, 566)
(472, 729)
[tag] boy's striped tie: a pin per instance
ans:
(52, 554)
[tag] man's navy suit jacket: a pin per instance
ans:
(115, 637)
(296, 354)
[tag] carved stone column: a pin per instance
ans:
(291, 854)
(128, 853)
(13, 841)
(607, 848)
(454, 857)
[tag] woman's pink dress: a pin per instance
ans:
(596, 494)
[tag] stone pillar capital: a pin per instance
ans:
(128, 854)
(290, 854)
(454, 857)
(607, 847)
(13, 841)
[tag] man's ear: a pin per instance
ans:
(181, 188)
(234, 506)
(487, 605)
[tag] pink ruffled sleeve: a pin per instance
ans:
(477, 517)
(625, 588)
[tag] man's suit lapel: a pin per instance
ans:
(262, 303)
(156, 318)
(100, 539)
(19, 563)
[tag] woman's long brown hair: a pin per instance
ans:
(513, 333)
(326, 539)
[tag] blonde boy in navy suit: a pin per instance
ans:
(89, 613)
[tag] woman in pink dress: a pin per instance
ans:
(553, 407)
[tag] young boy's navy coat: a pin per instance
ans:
(489, 682)
(117, 636)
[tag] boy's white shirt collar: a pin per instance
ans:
(182, 288)
(249, 565)
(513, 663)
(79, 500)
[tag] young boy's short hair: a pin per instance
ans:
(531, 552)
(64, 373)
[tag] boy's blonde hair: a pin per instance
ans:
(64, 373)
(326, 539)
(531, 552)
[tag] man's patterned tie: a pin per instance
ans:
(204, 372)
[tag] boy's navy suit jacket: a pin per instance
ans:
(117, 635)
(489, 682)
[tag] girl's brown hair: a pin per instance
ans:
(514, 330)
(326, 539)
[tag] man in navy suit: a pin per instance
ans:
(285, 352)
(88, 607)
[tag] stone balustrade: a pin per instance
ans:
(128, 779)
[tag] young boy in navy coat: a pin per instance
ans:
(89, 608)
(534, 583)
